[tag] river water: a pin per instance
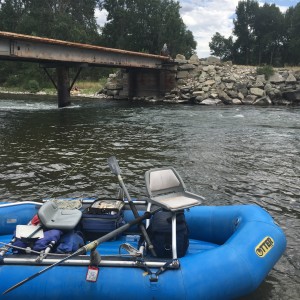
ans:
(228, 154)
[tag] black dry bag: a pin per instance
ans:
(160, 233)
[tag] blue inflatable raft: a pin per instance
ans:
(231, 251)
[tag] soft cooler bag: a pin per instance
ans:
(102, 217)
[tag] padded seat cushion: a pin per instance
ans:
(174, 203)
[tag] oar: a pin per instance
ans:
(114, 167)
(89, 247)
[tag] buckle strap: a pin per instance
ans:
(153, 277)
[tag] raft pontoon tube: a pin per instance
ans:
(231, 251)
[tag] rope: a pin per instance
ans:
(67, 204)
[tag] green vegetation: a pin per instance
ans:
(83, 87)
(265, 70)
(89, 87)
(263, 35)
(136, 25)
(145, 26)
(32, 86)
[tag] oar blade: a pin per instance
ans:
(114, 165)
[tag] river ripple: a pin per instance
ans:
(230, 155)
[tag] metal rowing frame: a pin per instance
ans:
(84, 260)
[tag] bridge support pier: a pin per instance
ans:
(63, 89)
(63, 86)
(150, 82)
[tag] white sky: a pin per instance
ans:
(206, 17)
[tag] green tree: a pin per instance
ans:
(10, 12)
(293, 35)
(222, 47)
(145, 26)
(287, 35)
(264, 35)
(268, 30)
(246, 13)
(72, 20)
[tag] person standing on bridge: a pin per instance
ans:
(165, 51)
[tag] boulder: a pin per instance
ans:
(240, 96)
(180, 57)
(249, 99)
(209, 82)
(182, 74)
(213, 60)
(260, 78)
(232, 94)
(186, 89)
(229, 85)
(276, 78)
(236, 101)
(293, 96)
(257, 91)
(198, 93)
(113, 86)
(198, 99)
(181, 81)
(185, 96)
(263, 101)
(224, 97)
(291, 78)
(259, 84)
(185, 67)
(210, 101)
(194, 59)
(112, 92)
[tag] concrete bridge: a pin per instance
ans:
(148, 73)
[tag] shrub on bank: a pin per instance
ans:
(265, 70)
(32, 86)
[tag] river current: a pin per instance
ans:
(229, 154)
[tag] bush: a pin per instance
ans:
(13, 81)
(265, 70)
(32, 86)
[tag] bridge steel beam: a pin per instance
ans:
(62, 54)
(29, 48)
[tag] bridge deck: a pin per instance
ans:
(21, 47)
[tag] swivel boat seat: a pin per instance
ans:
(53, 217)
(166, 189)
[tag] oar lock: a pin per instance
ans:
(130, 249)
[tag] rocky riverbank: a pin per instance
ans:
(211, 82)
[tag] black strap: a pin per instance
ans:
(153, 277)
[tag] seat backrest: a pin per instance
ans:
(47, 212)
(163, 181)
